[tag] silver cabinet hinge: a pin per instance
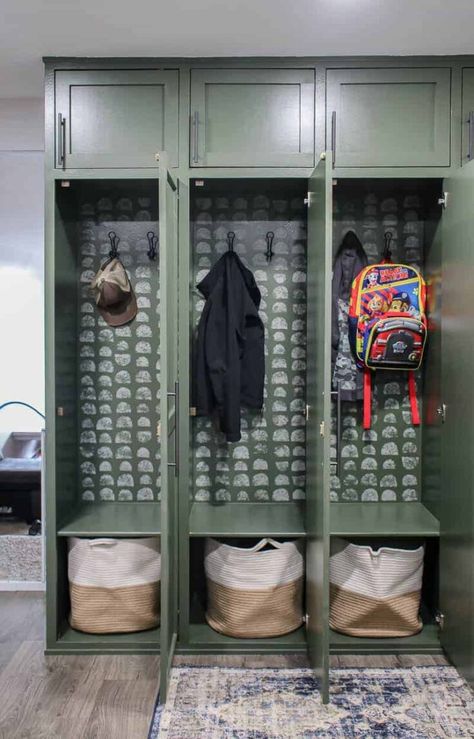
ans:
(443, 200)
(307, 412)
(307, 200)
(439, 618)
(322, 428)
(441, 411)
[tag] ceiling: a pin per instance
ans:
(30, 29)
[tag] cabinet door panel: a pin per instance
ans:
(389, 117)
(168, 251)
(456, 507)
(467, 115)
(252, 118)
(318, 426)
(116, 118)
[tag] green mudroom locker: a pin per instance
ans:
(211, 218)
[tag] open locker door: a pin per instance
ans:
(169, 391)
(318, 427)
(456, 505)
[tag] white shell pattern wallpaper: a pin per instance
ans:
(119, 368)
(383, 463)
(268, 463)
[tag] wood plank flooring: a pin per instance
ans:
(99, 697)
(67, 697)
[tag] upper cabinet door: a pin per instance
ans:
(116, 118)
(389, 117)
(467, 153)
(252, 118)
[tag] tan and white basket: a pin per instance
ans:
(375, 593)
(114, 584)
(254, 592)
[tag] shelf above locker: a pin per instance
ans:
(382, 519)
(204, 639)
(71, 641)
(113, 519)
(426, 642)
(247, 519)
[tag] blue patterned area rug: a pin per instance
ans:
(230, 703)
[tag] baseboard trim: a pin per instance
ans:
(13, 585)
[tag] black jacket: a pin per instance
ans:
(229, 363)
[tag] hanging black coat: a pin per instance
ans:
(230, 364)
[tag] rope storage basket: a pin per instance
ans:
(254, 592)
(114, 584)
(375, 593)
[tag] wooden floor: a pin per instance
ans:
(96, 697)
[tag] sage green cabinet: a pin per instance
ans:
(467, 153)
(394, 117)
(115, 118)
(252, 118)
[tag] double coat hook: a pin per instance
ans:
(114, 242)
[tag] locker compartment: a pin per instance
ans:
(107, 386)
(267, 466)
(112, 376)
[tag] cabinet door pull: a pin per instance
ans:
(175, 395)
(61, 141)
(333, 137)
(196, 137)
(470, 123)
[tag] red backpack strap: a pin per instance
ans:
(415, 413)
(367, 398)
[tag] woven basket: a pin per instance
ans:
(375, 593)
(253, 593)
(114, 584)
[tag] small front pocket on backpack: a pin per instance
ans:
(396, 342)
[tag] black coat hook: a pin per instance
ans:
(152, 242)
(230, 240)
(114, 242)
(269, 237)
(387, 252)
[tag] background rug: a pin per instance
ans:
(229, 703)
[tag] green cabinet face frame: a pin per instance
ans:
(115, 118)
(467, 153)
(394, 117)
(252, 118)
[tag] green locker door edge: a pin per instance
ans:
(457, 476)
(168, 250)
(319, 418)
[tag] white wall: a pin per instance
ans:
(21, 261)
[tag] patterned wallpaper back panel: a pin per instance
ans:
(269, 461)
(382, 464)
(268, 464)
(119, 368)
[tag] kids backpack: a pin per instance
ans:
(387, 325)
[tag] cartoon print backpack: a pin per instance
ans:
(387, 325)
